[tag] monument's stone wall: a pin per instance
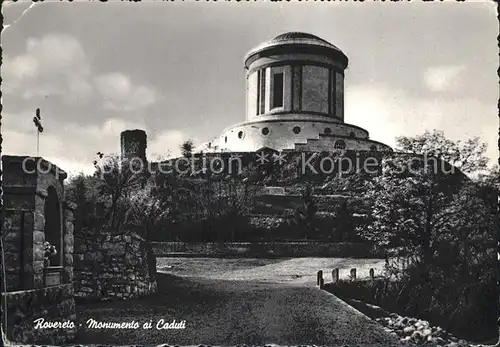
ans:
(110, 265)
(27, 308)
(13, 246)
(263, 249)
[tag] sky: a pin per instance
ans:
(175, 69)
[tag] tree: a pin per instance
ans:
(126, 194)
(414, 198)
(442, 224)
(467, 156)
(86, 192)
(305, 216)
(146, 208)
(117, 177)
(344, 220)
(187, 148)
(409, 204)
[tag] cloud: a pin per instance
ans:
(69, 143)
(120, 94)
(52, 65)
(73, 146)
(167, 144)
(56, 65)
(443, 78)
(387, 113)
(22, 67)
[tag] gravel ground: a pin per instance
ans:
(298, 271)
(241, 301)
(235, 312)
(260, 302)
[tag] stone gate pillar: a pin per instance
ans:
(69, 226)
(35, 212)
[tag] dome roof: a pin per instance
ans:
(293, 38)
(299, 37)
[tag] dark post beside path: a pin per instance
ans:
(319, 279)
(335, 275)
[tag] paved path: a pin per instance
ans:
(231, 312)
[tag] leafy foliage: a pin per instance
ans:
(305, 215)
(442, 225)
(467, 156)
(49, 250)
(187, 148)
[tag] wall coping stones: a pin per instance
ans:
(27, 291)
(20, 190)
(43, 163)
(16, 209)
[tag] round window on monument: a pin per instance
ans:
(352, 134)
(265, 131)
(240, 134)
(328, 131)
(340, 144)
(296, 130)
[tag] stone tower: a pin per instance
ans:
(133, 144)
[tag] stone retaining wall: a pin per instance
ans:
(53, 304)
(262, 249)
(109, 266)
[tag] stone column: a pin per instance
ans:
(39, 232)
(68, 242)
(29, 238)
(13, 248)
(18, 222)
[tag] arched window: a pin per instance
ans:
(240, 134)
(225, 139)
(53, 229)
(296, 130)
(339, 144)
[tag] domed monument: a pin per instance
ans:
(294, 101)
